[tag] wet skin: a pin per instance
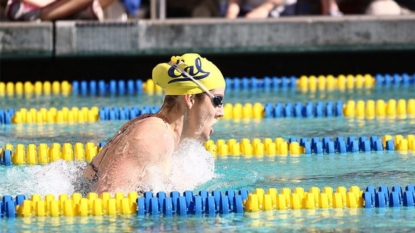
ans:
(145, 142)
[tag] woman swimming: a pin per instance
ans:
(194, 89)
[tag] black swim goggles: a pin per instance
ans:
(216, 99)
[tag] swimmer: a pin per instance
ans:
(194, 89)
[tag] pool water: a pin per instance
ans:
(345, 220)
(306, 171)
(231, 96)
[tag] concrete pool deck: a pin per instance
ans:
(214, 36)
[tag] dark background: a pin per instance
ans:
(231, 65)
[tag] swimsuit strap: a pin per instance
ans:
(95, 178)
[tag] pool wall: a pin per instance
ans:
(149, 37)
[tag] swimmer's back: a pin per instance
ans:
(131, 152)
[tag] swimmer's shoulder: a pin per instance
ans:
(142, 121)
(154, 134)
(153, 121)
(150, 126)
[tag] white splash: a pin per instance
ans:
(55, 178)
(191, 166)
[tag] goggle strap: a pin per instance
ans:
(191, 78)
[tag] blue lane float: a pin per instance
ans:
(133, 86)
(324, 145)
(8, 206)
(6, 116)
(112, 87)
(252, 83)
(310, 146)
(190, 203)
(6, 158)
(160, 204)
(383, 197)
(300, 110)
(351, 144)
(125, 113)
(394, 79)
(271, 110)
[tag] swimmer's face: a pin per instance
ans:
(205, 115)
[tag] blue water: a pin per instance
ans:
(361, 169)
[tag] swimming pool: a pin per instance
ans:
(309, 171)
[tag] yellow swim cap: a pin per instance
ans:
(174, 82)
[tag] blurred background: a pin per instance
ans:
(108, 39)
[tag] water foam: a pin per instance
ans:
(55, 178)
(191, 166)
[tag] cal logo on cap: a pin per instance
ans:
(174, 82)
